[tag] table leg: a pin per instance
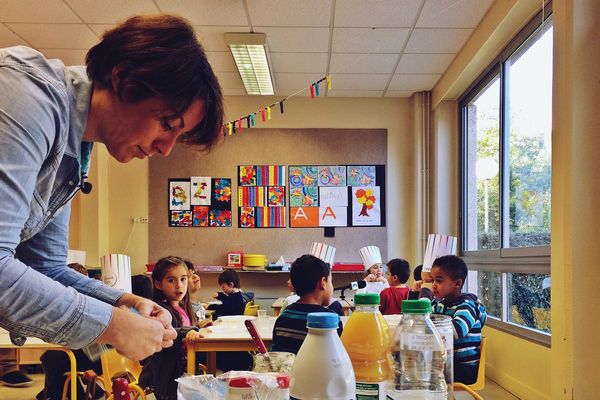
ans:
(211, 362)
(191, 360)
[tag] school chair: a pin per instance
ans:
(114, 365)
(251, 309)
(480, 383)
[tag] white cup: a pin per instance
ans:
(262, 313)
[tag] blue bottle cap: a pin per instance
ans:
(322, 320)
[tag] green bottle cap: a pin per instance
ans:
(422, 306)
(366, 299)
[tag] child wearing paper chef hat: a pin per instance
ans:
(376, 281)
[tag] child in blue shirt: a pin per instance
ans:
(443, 287)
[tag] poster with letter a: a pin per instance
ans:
(304, 217)
(333, 216)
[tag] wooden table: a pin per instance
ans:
(276, 306)
(235, 337)
(35, 343)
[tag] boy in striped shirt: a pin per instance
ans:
(443, 287)
(311, 278)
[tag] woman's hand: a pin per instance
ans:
(149, 309)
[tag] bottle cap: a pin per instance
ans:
(322, 320)
(366, 298)
(422, 306)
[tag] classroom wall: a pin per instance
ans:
(268, 146)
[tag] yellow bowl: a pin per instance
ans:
(255, 260)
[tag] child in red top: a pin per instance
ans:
(398, 272)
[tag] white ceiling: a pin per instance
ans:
(371, 48)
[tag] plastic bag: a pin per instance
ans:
(266, 386)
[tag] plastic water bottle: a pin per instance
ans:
(419, 355)
(366, 338)
(322, 369)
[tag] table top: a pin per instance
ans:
(236, 331)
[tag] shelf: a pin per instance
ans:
(275, 272)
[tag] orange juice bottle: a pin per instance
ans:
(366, 338)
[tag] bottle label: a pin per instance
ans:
(370, 391)
(415, 341)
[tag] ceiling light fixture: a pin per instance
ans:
(249, 51)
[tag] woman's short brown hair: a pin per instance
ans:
(159, 56)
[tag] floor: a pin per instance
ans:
(491, 392)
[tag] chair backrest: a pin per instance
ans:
(480, 383)
(114, 364)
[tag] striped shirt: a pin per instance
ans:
(290, 327)
(468, 317)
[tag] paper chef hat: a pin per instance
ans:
(116, 271)
(323, 251)
(370, 255)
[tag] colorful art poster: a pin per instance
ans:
(252, 196)
(276, 196)
(361, 175)
(333, 216)
(201, 186)
(332, 175)
(181, 218)
(179, 195)
(221, 192)
(304, 196)
(270, 175)
(270, 217)
(303, 175)
(304, 217)
(220, 218)
(247, 218)
(200, 215)
(330, 196)
(366, 206)
(247, 174)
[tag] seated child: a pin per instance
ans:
(448, 275)
(376, 282)
(334, 305)
(416, 290)
(159, 371)
(398, 272)
(194, 285)
(231, 295)
(311, 277)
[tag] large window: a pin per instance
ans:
(506, 120)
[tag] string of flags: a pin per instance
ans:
(237, 125)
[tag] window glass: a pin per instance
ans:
(483, 142)
(529, 300)
(487, 287)
(530, 125)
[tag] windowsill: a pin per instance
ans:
(531, 335)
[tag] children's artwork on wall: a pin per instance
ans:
(304, 217)
(333, 216)
(200, 187)
(366, 208)
(247, 175)
(261, 196)
(179, 195)
(180, 218)
(220, 218)
(200, 215)
(303, 175)
(361, 175)
(336, 199)
(276, 196)
(333, 196)
(332, 175)
(247, 218)
(304, 196)
(200, 202)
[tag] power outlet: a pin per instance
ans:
(139, 220)
(144, 220)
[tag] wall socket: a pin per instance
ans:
(140, 220)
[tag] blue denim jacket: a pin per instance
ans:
(43, 113)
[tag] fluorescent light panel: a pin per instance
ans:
(249, 53)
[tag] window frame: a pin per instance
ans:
(526, 260)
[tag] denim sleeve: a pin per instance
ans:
(31, 303)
